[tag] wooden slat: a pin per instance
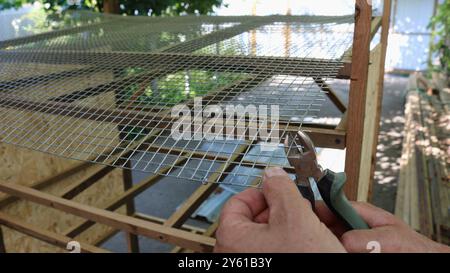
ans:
(132, 239)
(119, 221)
(426, 221)
(385, 24)
(357, 100)
(159, 220)
(429, 115)
(44, 235)
(332, 139)
(105, 237)
(370, 121)
(307, 67)
(123, 198)
(210, 231)
(50, 35)
(375, 26)
(196, 199)
(2, 242)
(342, 126)
(331, 94)
(78, 188)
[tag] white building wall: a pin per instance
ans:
(409, 40)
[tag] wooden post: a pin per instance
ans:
(370, 125)
(132, 239)
(357, 97)
(111, 6)
(385, 26)
(2, 242)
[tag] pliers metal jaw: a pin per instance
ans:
(301, 154)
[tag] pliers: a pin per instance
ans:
(301, 155)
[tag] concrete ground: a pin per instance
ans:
(390, 138)
(390, 143)
(164, 197)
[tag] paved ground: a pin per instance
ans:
(390, 142)
(390, 138)
(163, 198)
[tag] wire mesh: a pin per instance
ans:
(104, 90)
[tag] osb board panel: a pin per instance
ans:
(102, 101)
(40, 92)
(56, 221)
(67, 136)
(13, 71)
(25, 167)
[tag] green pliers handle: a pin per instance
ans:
(331, 188)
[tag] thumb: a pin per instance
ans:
(359, 241)
(379, 220)
(282, 196)
(375, 217)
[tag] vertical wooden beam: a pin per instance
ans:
(385, 27)
(2, 242)
(357, 100)
(111, 6)
(132, 239)
(370, 126)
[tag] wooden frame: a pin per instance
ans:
(366, 91)
(357, 132)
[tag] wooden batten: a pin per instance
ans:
(357, 96)
(370, 124)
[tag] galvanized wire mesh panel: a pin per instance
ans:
(105, 92)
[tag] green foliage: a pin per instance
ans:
(440, 25)
(170, 90)
(130, 7)
(178, 87)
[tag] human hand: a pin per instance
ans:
(278, 219)
(392, 235)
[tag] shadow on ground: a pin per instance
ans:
(390, 140)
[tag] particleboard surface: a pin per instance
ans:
(26, 167)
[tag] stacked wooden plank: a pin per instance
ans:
(424, 190)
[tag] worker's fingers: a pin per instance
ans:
(362, 241)
(375, 217)
(263, 217)
(282, 196)
(325, 214)
(236, 223)
(381, 233)
(327, 217)
(254, 199)
(244, 206)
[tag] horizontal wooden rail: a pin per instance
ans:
(306, 67)
(44, 235)
(115, 220)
